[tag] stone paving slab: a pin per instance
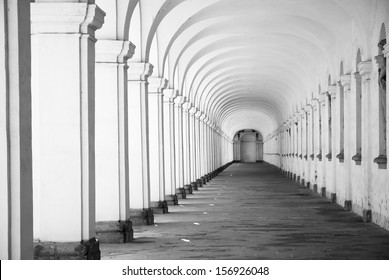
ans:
(251, 211)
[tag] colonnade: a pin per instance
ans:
(94, 143)
(105, 123)
(336, 144)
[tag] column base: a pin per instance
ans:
(142, 217)
(188, 189)
(298, 179)
(194, 186)
(333, 197)
(314, 189)
(309, 185)
(175, 199)
(367, 217)
(303, 182)
(114, 232)
(181, 193)
(172, 199)
(203, 180)
(199, 183)
(160, 207)
(86, 250)
(348, 205)
(323, 192)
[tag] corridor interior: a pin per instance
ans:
(252, 211)
(193, 129)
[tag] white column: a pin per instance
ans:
(16, 208)
(332, 141)
(156, 142)
(301, 144)
(178, 101)
(193, 147)
(202, 147)
(64, 121)
(169, 145)
(206, 147)
(295, 145)
(365, 69)
(347, 142)
(186, 142)
(198, 144)
(322, 146)
(139, 142)
(111, 144)
(309, 163)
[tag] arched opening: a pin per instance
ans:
(358, 108)
(340, 155)
(248, 146)
(381, 63)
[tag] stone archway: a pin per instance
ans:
(248, 146)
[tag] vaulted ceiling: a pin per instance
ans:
(248, 63)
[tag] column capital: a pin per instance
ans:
(157, 85)
(357, 76)
(385, 51)
(315, 103)
(380, 60)
(203, 117)
(186, 106)
(323, 98)
(289, 123)
(114, 51)
(332, 91)
(66, 18)
(139, 71)
(308, 108)
(296, 117)
(193, 111)
(198, 114)
(169, 94)
(365, 69)
(179, 101)
(345, 81)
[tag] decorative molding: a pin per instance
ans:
(332, 90)
(114, 51)
(340, 156)
(66, 18)
(357, 158)
(186, 106)
(94, 19)
(345, 81)
(386, 50)
(365, 69)
(139, 71)
(193, 111)
(169, 94)
(198, 114)
(157, 85)
(179, 101)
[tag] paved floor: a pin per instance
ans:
(250, 211)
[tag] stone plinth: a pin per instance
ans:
(88, 250)
(115, 232)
